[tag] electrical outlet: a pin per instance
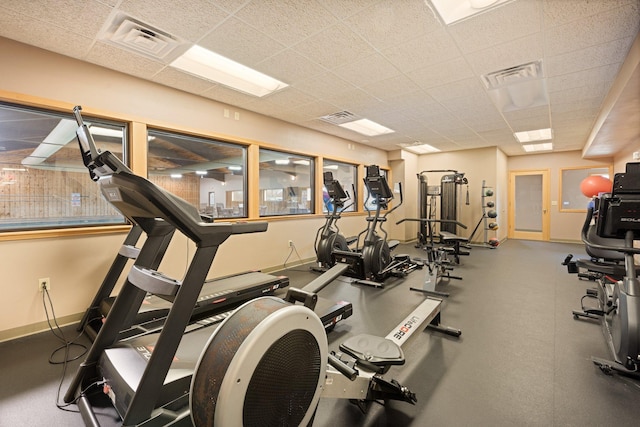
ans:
(290, 243)
(43, 284)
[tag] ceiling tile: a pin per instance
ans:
(229, 96)
(413, 104)
(423, 51)
(323, 84)
(173, 78)
(576, 94)
(391, 88)
(559, 12)
(343, 9)
(542, 111)
(603, 54)
(602, 74)
(189, 19)
(461, 91)
(290, 67)
(385, 24)
(529, 123)
(334, 46)
(274, 17)
(353, 100)
(240, 42)
(120, 60)
(289, 98)
(367, 70)
(593, 30)
(441, 74)
(51, 37)
(87, 17)
(508, 54)
(509, 22)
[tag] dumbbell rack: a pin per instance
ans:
(485, 218)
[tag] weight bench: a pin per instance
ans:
(454, 241)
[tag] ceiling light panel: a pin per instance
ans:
(452, 11)
(211, 66)
(367, 127)
(418, 148)
(531, 148)
(534, 135)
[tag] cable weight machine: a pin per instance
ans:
(449, 193)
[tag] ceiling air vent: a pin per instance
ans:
(135, 36)
(339, 118)
(517, 74)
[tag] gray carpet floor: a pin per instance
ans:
(522, 359)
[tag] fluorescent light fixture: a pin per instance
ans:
(14, 169)
(533, 135)
(235, 168)
(61, 135)
(456, 10)
(331, 167)
(545, 146)
(421, 148)
(176, 175)
(211, 66)
(282, 161)
(366, 127)
(302, 162)
(201, 172)
(113, 133)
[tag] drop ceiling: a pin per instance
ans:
(391, 61)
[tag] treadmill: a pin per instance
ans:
(165, 358)
(216, 296)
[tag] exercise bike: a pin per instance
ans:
(328, 237)
(618, 216)
(373, 263)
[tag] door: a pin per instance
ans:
(529, 205)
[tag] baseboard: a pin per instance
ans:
(35, 328)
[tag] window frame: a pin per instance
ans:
(351, 191)
(288, 190)
(577, 196)
(57, 228)
(225, 212)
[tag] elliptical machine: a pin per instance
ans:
(373, 263)
(328, 237)
(618, 216)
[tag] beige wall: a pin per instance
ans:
(625, 156)
(565, 226)
(76, 265)
(477, 165)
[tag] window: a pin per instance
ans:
(207, 173)
(346, 175)
(286, 183)
(572, 199)
(43, 182)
